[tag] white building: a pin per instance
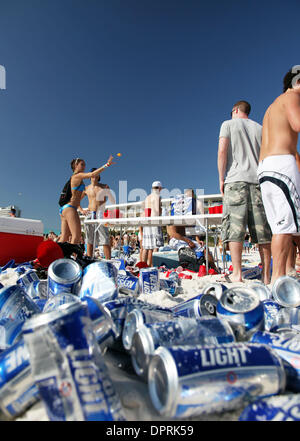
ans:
(5, 211)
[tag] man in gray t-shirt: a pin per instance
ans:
(238, 153)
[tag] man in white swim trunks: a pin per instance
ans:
(278, 172)
(152, 236)
(97, 194)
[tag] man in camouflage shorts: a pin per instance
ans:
(239, 148)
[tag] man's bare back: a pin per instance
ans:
(281, 125)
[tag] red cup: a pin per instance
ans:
(211, 210)
(202, 271)
(147, 212)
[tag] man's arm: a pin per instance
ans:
(172, 232)
(222, 161)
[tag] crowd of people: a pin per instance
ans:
(259, 177)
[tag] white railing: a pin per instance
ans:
(135, 209)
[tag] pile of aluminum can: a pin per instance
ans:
(222, 350)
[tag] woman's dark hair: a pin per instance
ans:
(288, 79)
(74, 162)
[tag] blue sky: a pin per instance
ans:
(152, 79)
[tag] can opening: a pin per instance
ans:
(163, 381)
(65, 271)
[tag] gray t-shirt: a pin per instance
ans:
(243, 151)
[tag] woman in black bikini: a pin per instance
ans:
(70, 221)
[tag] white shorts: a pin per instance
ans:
(279, 180)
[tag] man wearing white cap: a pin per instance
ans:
(152, 236)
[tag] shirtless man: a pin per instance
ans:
(97, 194)
(152, 237)
(279, 172)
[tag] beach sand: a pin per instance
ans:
(133, 391)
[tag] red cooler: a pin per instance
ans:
(19, 239)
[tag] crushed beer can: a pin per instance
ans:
(279, 408)
(17, 388)
(68, 368)
(64, 275)
(149, 280)
(38, 289)
(243, 310)
(271, 310)
(60, 299)
(251, 273)
(288, 348)
(203, 331)
(185, 381)
(128, 284)
(137, 317)
(286, 319)
(215, 289)
(16, 304)
(10, 332)
(169, 285)
(27, 278)
(286, 291)
(262, 290)
(100, 281)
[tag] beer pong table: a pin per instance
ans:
(205, 221)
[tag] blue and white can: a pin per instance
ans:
(199, 306)
(104, 327)
(140, 316)
(10, 332)
(59, 300)
(27, 279)
(128, 284)
(271, 310)
(68, 368)
(280, 408)
(203, 331)
(38, 289)
(194, 380)
(16, 304)
(119, 308)
(149, 280)
(17, 388)
(251, 273)
(243, 310)
(288, 348)
(64, 275)
(286, 319)
(169, 285)
(100, 281)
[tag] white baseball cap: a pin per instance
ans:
(157, 184)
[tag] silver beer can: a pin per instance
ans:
(286, 291)
(136, 318)
(203, 331)
(64, 275)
